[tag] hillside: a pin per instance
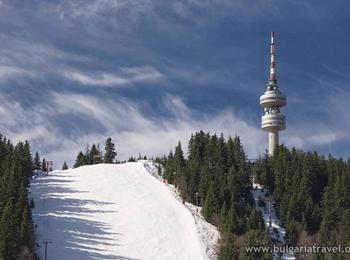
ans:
(110, 211)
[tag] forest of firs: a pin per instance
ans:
(312, 194)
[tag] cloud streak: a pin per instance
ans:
(133, 131)
(128, 76)
(8, 72)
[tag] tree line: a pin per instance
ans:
(215, 175)
(16, 226)
(312, 195)
(39, 164)
(95, 155)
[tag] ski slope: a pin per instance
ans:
(109, 211)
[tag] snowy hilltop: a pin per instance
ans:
(116, 211)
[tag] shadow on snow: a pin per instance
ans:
(73, 237)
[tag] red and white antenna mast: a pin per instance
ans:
(272, 78)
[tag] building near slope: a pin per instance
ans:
(272, 100)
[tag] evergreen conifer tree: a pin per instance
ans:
(209, 205)
(110, 152)
(16, 166)
(43, 166)
(65, 166)
(8, 232)
(222, 218)
(80, 160)
(37, 162)
(94, 153)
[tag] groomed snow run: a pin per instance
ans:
(109, 211)
(276, 232)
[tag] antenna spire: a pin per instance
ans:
(272, 78)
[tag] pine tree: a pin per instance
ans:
(43, 166)
(94, 155)
(292, 233)
(37, 162)
(16, 167)
(80, 160)
(132, 159)
(65, 166)
(231, 221)
(170, 168)
(8, 234)
(256, 239)
(222, 218)
(26, 229)
(179, 169)
(110, 152)
(227, 248)
(255, 220)
(209, 205)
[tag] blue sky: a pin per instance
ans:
(151, 72)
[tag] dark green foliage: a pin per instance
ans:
(132, 159)
(44, 166)
(91, 156)
(208, 209)
(292, 233)
(110, 152)
(80, 160)
(94, 155)
(26, 227)
(254, 221)
(179, 168)
(310, 191)
(65, 166)
(227, 249)
(216, 175)
(37, 162)
(170, 168)
(223, 218)
(16, 233)
(256, 239)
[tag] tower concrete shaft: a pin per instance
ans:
(272, 100)
(273, 142)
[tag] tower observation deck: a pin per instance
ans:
(272, 100)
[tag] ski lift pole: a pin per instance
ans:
(46, 242)
(48, 165)
(269, 212)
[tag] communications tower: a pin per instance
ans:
(272, 100)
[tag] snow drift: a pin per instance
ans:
(108, 211)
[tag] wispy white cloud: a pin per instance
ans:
(81, 9)
(127, 76)
(8, 72)
(132, 129)
(135, 132)
(124, 121)
(29, 58)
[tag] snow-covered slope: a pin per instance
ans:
(276, 232)
(110, 211)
